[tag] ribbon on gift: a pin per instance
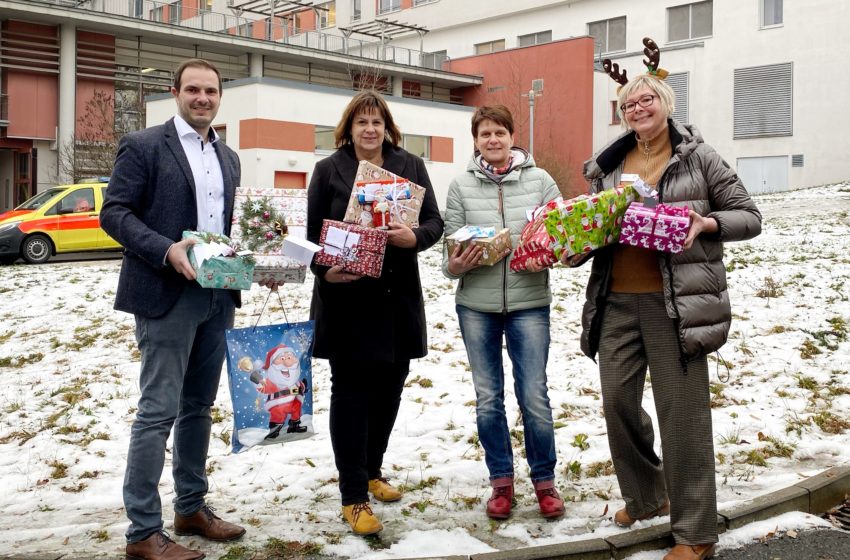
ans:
(400, 199)
(342, 243)
(473, 232)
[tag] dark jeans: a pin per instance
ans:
(182, 354)
(365, 397)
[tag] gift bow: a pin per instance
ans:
(345, 247)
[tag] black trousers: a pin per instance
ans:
(365, 398)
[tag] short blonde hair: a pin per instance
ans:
(659, 87)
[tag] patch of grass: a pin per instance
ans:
(732, 437)
(830, 423)
(75, 488)
(808, 383)
(99, 535)
(60, 469)
(21, 361)
(467, 502)
(770, 289)
(778, 329)
(573, 470)
(600, 468)
(429, 482)
(580, 441)
(809, 350)
(755, 458)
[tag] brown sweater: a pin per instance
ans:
(635, 270)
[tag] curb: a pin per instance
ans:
(815, 495)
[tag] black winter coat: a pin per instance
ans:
(370, 319)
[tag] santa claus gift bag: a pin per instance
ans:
(271, 383)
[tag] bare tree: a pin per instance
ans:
(91, 153)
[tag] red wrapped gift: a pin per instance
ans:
(535, 242)
(360, 250)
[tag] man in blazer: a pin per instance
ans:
(170, 178)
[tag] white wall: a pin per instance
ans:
(295, 102)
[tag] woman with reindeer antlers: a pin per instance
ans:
(665, 312)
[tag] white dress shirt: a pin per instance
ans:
(206, 170)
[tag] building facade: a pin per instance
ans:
(755, 76)
(76, 75)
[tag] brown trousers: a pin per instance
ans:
(637, 334)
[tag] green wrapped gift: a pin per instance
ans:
(218, 263)
(585, 223)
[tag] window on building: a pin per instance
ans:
(325, 139)
(355, 10)
(771, 13)
(296, 22)
(608, 35)
(434, 60)
(327, 17)
(209, 4)
(535, 38)
(221, 130)
(421, 2)
(157, 13)
(385, 6)
(290, 180)
(175, 12)
(248, 29)
(490, 47)
(615, 112)
(764, 101)
(417, 145)
(691, 21)
(678, 82)
(138, 8)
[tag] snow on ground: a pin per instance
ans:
(69, 385)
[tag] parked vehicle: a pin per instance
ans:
(62, 219)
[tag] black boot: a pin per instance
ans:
(274, 430)
(295, 427)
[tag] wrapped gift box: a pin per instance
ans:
(661, 227)
(217, 262)
(535, 241)
(379, 196)
(493, 242)
(585, 223)
(263, 218)
(360, 250)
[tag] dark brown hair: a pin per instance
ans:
(499, 114)
(195, 63)
(366, 101)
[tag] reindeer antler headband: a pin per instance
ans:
(652, 52)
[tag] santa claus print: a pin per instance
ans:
(284, 390)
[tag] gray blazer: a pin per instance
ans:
(150, 201)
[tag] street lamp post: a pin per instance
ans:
(531, 121)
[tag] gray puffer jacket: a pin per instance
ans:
(695, 280)
(474, 199)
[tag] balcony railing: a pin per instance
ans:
(276, 29)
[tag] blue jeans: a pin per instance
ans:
(527, 335)
(182, 354)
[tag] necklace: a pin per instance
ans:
(646, 152)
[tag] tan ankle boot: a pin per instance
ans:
(361, 519)
(623, 519)
(691, 552)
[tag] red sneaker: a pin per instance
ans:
(499, 504)
(551, 504)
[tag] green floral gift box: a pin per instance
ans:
(585, 223)
(218, 263)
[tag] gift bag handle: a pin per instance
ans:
(264, 308)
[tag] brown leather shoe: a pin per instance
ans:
(208, 525)
(159, 547)
(623, 519)
(691, 552)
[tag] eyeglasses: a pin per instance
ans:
(644, 101)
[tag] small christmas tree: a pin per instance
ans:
(263, 227)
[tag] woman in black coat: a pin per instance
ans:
(368, 328)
